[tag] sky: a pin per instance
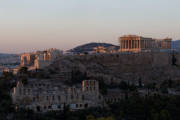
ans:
(30, 25)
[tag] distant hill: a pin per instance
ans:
(9, 59)
(89, 47)
(176, 45)
(7, 55)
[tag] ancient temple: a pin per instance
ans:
(134, 43)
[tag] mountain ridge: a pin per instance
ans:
(89, 47)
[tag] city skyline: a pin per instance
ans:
(36, 25)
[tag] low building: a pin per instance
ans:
(43, 95)
(99, 49)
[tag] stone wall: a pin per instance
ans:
(47, 95)
(149, 67)
(39, 59)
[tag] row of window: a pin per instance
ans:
(53, 98)
(90, 83)
(61, 107)
(39, 85)
(90, 88)
(112, 99)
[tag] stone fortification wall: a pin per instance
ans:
(149, 67)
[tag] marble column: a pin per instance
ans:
(133, 44)
(123, 44)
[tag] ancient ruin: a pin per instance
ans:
(133, 43)
(44, 95)
(39, 59)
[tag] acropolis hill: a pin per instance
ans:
(149, 67)
(139, 58)
(50, 79)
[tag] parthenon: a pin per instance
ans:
(133, 43)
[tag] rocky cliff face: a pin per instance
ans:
(113, 68)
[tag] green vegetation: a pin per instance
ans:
(23, 70)
(6, 106)
(135, 108)
(174, 60)
(77, 77)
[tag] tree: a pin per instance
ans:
(156, 116)
(24, 80)
(101, 118)
(90, 117)
(174, 60)
(23, 70)
(140, 83)
(123, 85)
(164, 115)
(109, 118)
(86, 53)
(103, 87)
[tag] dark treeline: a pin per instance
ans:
(135, 108)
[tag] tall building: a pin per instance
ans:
(134, 43)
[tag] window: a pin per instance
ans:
(47, 97)
(53, 98)
(86, 105)
(77, 105)
(38, 108)
(99, 97)
(72, 96)
(82, 97)
(28, 91)
(20, 91)
(24, 92)
(94, 82)
(59, 106)
(59, 98)
(37, 97)
(34, 99)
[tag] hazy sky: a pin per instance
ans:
(27, 25)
